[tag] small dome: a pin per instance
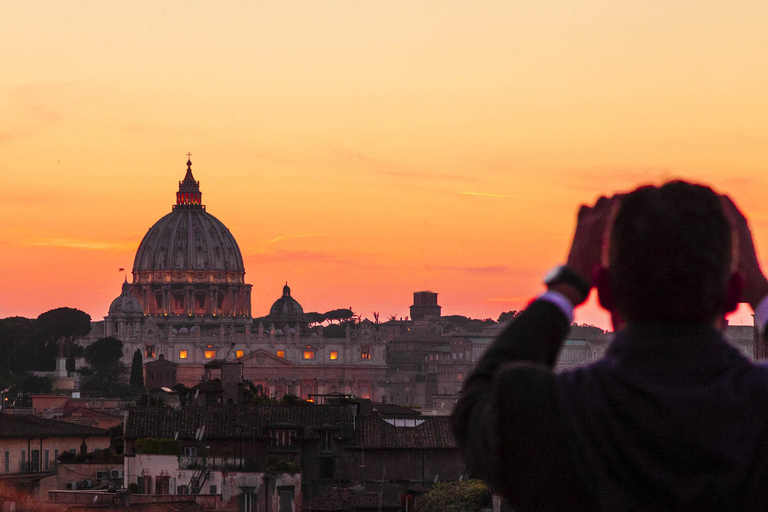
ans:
(126, 304)
(286, 309)
(183, 330)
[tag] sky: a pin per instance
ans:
(363, 150)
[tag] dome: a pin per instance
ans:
(189, 269)
(286, 309)
(126, 304)
(188, 239)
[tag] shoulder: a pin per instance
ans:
(527, 388)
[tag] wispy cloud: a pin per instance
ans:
(508, 299)
(279, 256)
(608, 179)
(400, 170)
(290, 237)
(488, 194)
(472, 270)
(77, 243)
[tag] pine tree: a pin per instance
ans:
(137, 376)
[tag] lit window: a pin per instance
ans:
(365, 352)
(182, 354)
(210, 352)
(281, 353)
(309, 354)
(239, 353)
(149, 351)
(334, 354)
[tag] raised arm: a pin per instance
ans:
(515, 372)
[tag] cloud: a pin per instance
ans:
(399, 170)
(472, 270)
(608, 179)
(75, 243)
(508, 299)
(487, 194)
(290, 237)
(279, 256)
(36, 107)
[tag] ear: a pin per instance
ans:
(733, 293)
(602, 282)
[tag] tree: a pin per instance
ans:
(508, 315)
(23, 345)
(137, 375)
(65, 325)
(314, 318)
(103, 358)
(339, 315)
(466, 496)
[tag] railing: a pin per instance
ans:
(29, 467)
(53, 412)
(199, 477)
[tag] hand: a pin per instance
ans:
(755, 283)
(587, 245)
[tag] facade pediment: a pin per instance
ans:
(263, 358)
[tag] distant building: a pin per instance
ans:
(160, 373)
(425, 306)
(30, 444)
(188, 305)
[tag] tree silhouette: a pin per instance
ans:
(137, 375)
(65, 326)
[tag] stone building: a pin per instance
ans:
(189, 303)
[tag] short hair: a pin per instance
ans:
(670, 254)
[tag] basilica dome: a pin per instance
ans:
(188, 239)
(189, 269)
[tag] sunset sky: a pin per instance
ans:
(362, 150)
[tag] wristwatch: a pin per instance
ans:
(566, 275)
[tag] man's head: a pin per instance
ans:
(669, 256)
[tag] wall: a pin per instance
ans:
(14, 447)
(67, 473)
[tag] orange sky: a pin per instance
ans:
(362, 150)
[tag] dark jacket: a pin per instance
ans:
(672, 418)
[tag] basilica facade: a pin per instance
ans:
(189, 303)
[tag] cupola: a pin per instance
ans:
(189, 195)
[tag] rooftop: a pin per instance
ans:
(28, 426)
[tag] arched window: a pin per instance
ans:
(259, 389)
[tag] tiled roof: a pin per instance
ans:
(387, 410)
(28, 426)
(178, 506)
(344, 498)
(433, 432)
(221, 421)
